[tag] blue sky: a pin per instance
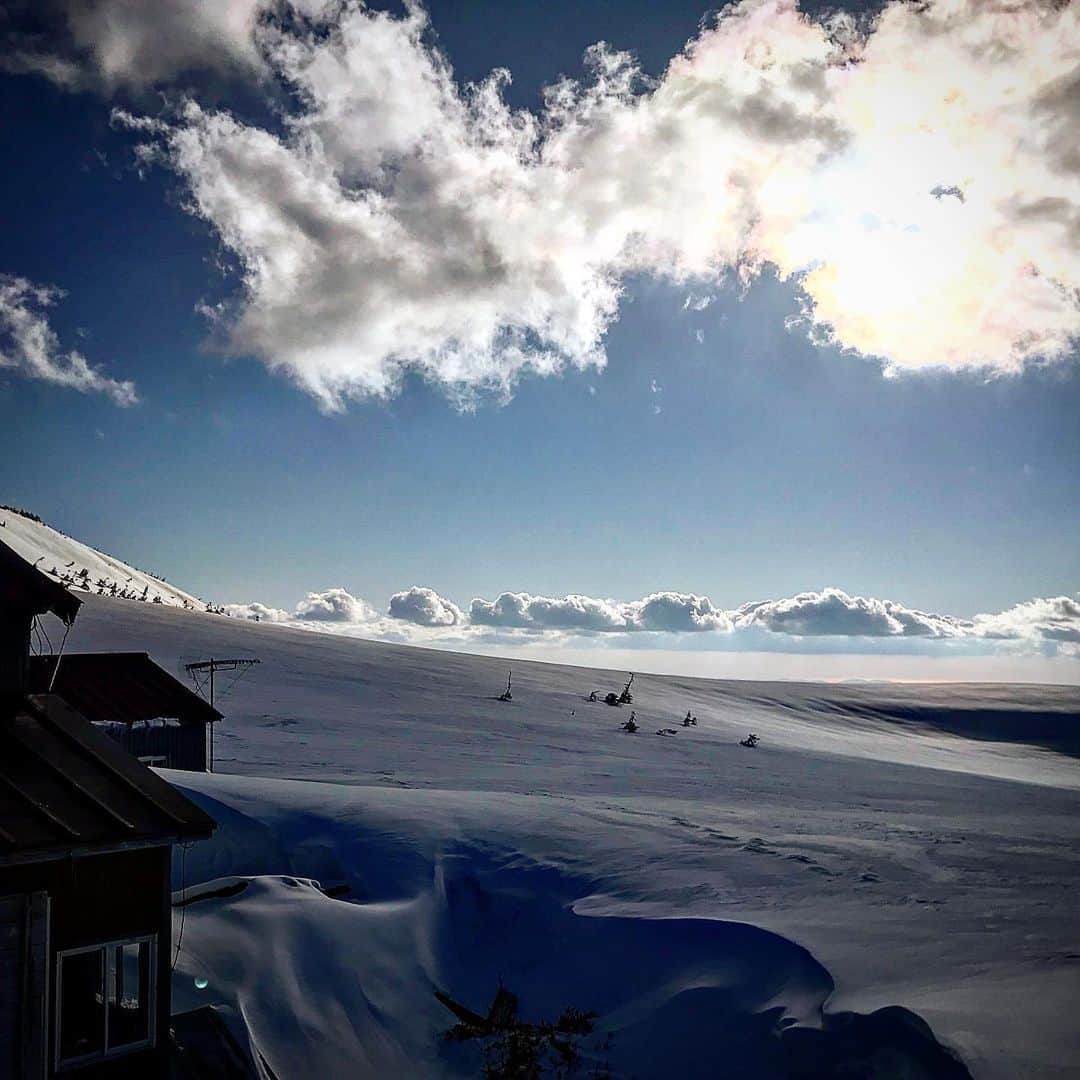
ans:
(719, 452)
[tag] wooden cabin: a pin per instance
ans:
(130, 698)
(86, 837)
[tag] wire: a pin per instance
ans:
(183, 904)
(200, 684)
(241, 672)
(59, 656)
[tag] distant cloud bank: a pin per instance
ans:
(913, 173)
(419, 614)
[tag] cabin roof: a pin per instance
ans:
(124, 687)
(27, 591)
(66, 787)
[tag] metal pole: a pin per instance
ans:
(195, 671)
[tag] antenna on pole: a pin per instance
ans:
(207, 682)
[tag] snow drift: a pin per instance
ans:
(356, 982)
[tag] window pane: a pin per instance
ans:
(82, 1018)
(129, 994)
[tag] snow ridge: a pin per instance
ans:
(85, 569)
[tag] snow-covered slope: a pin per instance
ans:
(885, 846)
(85, 569)
(326, 707)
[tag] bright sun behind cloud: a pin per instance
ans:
(910, 173)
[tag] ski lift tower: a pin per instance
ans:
(202, 675)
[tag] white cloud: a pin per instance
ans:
(699, 336)
(662, 611)
(425, 607)
(824, 621)
(109, 44)
(1055, 619)
(404, 221)
(523, 611)
(257, 612)
(334, 605)
(693, 302)
(832, 612)
(20, 58)
(954, 95)
(29, 346)
(328, 606)
(337, 611)
(677, 613)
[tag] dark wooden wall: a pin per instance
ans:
(103, 898)
(182, 745)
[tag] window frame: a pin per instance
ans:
(108, 972)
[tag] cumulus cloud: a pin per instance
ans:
(334, 605)
(523, 611)
(403, 221)
(1054, 618)
(256, 612)
(833, 612)
(30, 347)
(662, 611)
(328, 606)
(677, 613)
(424, 607)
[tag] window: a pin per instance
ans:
(82, 1033)
(104, 1000)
